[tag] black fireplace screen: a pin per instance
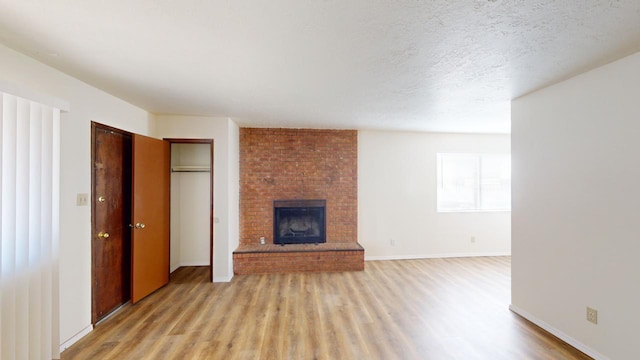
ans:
(299, 221)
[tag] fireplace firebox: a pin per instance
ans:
(299, 221)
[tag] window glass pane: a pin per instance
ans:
(474, 182)
(457, 182)
(495, 182)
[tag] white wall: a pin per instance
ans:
(225, 162)
(190, 206)
(397, 198)
(234, 193)
(86, 104)
(576, 212)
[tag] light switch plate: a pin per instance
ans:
(82, 200)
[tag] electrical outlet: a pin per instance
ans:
(82, 200)
(592, 315)
(392, 242)
(473, 239)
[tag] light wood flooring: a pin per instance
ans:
(408, 309)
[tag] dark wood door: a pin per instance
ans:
(150, 217)
(111, 206)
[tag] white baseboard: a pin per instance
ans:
(222, 278)
(433, 256)
(82, 333)
(559, 334)
(194, 263)
(188, 263)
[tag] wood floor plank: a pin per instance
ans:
(405, 309)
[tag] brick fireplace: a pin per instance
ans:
(289, 165)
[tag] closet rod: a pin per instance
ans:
(190, 169)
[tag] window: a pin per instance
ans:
(474, 182)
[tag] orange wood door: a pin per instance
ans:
(150, 216)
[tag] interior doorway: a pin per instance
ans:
(192, 210)
(111, 213)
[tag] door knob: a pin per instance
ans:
(103, 235)
(101, 199)
(140, 226)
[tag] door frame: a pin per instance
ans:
(211, 182)
(93, 202)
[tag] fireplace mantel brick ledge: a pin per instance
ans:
(292, 258)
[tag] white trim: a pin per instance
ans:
(194, 263)
(82, 333)
(222, 278)
(25, 93)
(434, 256)
(188, 263)
(458, 211)
(559, 334)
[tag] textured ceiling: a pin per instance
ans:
(433, 65)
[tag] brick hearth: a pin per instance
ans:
(263, 259)
(296, 164)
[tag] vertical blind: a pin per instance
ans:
(29, 229)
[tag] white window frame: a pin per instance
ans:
(478, 201)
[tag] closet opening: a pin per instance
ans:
(191, 206)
